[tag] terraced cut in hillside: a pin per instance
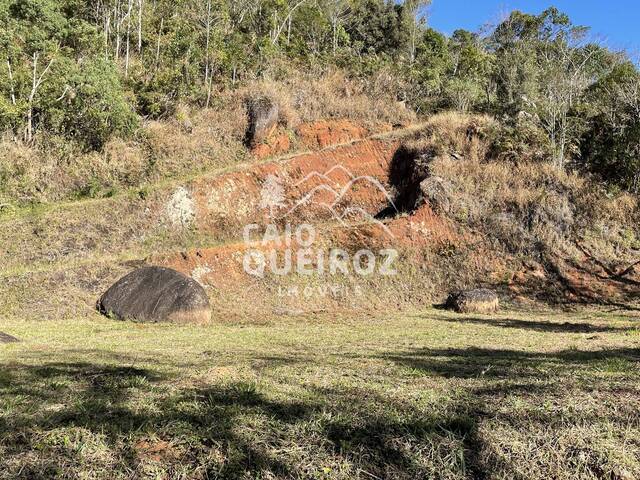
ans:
(78, 248)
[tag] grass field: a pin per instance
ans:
(416, 395)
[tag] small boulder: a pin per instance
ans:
(437, 193)
(156, 294)
(263, 117)
(480, 300)
(6, 338)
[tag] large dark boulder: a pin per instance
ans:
(263, 117)
(480, 300)
(6, 338)
(156, 294)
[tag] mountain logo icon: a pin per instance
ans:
(326, 189)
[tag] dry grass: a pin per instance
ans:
(527, 204)
(52, 172)
(190, 142)
(467, 136)
(524, 204)
(329, 93)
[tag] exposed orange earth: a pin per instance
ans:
(339, 188)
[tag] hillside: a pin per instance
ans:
(532, 231)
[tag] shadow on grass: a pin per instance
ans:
(244, 429)
(103, 399)
(391, 443)
(247, 428)
(513, 364)
(538, 326)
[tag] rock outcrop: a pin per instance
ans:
(263, 118)
(437, 193)
(156, 294)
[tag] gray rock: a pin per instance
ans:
(6, 338)
(437, 193)
(480, 300)
(156, 294)
(263, 117)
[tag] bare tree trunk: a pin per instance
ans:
(126, 62)
(116, 16)
(36, 81)
(334, 40)
(140, 2)
(415, 8)
(12, 93)
(157, 60)
(277, 30)
(11, 86)
(107, 32)
(209, 88)
(208, 39)
(273, 28)
(412, 48)
(29, 128)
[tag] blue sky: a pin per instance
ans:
(617, 22)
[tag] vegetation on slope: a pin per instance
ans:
(84, 84)
(582, 240)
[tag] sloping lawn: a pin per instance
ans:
(416, 395)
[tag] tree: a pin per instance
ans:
(98, 108)
(279, 23)
(564, 77)
(337, 12)
(468, 85)
(37, 77)
(49, 57)
(543, 67)
(376, 27)
(416, 13)
(611, 146)
(429, 74)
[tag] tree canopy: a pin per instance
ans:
(87, 70)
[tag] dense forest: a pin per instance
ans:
(81, 72)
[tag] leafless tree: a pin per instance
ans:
(564, 77)
(336, 11)
(240, 10)
(279, 26)
(417, 14)
(12, 90)
(36, 82)
(140, 11)
(128, 38)
(156, 62)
